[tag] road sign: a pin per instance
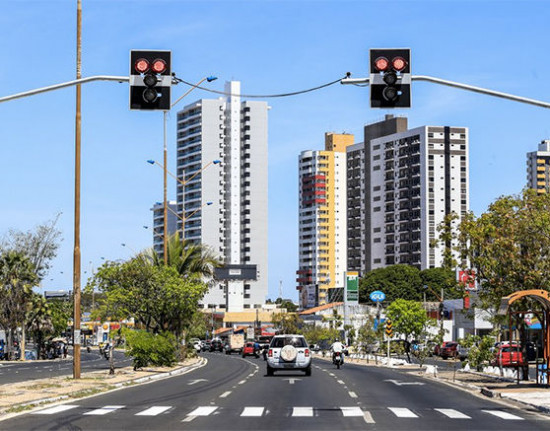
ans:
(377, 296)
(389, 329)
(352, 288)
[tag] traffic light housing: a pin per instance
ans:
(150, 80)
(390, 78)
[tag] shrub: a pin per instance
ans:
(151, 349)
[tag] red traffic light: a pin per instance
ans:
(141, 65)
(158, 66)
(398, 64)
(381, 64)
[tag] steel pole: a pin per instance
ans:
(165, 227)
(76, 254)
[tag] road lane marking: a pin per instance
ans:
(203, 411)
(56, 409)
(368, 418)
(341, 382)
(302, 412)
(351, 411)
(352, 394)
(402, 412)
(453, 414)
(225, 394)
(331, 374)
(252, 411)
(503, 415)
(103, 410)
(153, 411)
(242, 382)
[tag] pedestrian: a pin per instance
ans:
(65, 350)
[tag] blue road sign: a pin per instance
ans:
(377, 296)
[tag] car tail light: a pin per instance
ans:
(270, 353)
(306, 353)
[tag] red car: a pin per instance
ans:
(249, 350)
(509, 355)
(449, 350)
(438, 347)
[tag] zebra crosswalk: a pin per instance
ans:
(261, 411)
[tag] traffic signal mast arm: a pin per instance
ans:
(461, 86)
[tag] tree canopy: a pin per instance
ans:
(396, 281)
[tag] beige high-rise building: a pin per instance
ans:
(538, 168)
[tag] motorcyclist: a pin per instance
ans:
(337, 347)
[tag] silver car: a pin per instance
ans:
(288, 352)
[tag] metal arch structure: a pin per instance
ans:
(543, 298)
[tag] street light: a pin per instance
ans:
(184, 219)
(165, 242)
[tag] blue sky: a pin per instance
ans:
(271, 47)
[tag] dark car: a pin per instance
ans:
(450, 350)
(216, 346)
(206, 345)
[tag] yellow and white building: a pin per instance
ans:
(322, 220)
(538, 168)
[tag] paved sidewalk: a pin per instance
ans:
(16, 397)
(527, 392)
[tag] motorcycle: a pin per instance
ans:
(106, 351)
(337, 359)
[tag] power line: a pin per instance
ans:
(262, 96)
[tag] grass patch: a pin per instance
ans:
(18, 409)
(44, 386)
(90, 391)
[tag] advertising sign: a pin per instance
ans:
(352, 288)
(377, 296)
(466, 277)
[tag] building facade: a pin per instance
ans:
(158, 224)
(538, 168)
(322, 220)
(234, 225)
(413, 180)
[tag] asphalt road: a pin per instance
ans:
(13, 372)
(232, 393)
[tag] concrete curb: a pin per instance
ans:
(39, 403)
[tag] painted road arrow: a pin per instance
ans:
(291, 381)
(395, 382)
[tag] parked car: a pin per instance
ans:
(206, 345)
(508, 355)
(439, 347)
(449, 350)
(462, 352)
(250, 350)
(288, 352)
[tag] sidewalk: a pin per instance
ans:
(17, 397)
(526, 393)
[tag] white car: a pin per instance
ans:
(288, 352)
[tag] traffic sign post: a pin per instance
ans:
(389, 335)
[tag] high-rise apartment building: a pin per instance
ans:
(322, 220)
(413, 179)
(235, 225)
(538, 168)
(158, 224)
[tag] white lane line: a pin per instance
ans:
(331, 374)
(225, 394)
(341, 382)
(203, 411)
(103, 410)
(368, 418)
(351, 411)
(453, 414)
(242, 382)
(189, 418)
(302, 412)
(251, 375)
(153, 411)
(402, 412)
(352, 394)
(56, 409)
(253, 411)
(503, 415)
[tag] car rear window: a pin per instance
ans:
(283, 341)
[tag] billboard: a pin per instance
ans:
(352, 288)
(235, 272)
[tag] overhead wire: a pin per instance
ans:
(262, 96)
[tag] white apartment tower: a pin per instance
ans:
(234, 225)
(322, 221)
(538, 168)
(158, 224)
(413, 179)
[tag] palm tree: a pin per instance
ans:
(39, 321)
(189, 259)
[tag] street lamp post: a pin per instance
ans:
(165, 155)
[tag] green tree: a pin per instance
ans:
(441, 278)
(287, 323)
(39, 321)
(290, 306)
(509, 245)
(369, 337)
(319, 335)
(447, 238)
(409, 320)
(396, 281)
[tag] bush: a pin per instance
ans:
(150, 349)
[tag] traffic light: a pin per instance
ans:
(150, 80)
(390, 78)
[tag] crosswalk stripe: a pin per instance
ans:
(153, 411)
(302, 411)
(252, 411)
(56, 409)
(351, 411)
(453, 414)
(203, 411)
(503, 415)
(103, 410)
(402, 412)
